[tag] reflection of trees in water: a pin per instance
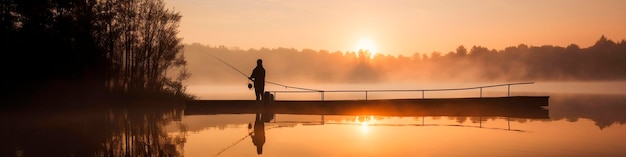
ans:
(461, 120)
(604, 110)
(434, 121)
(141, 132)
(50, 133)
(91, 132)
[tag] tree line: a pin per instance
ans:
(603, 61)
(112, 46)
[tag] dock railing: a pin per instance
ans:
(423, 91)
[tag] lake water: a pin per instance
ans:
(581, 120)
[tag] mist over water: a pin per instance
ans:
(521, 63)
(241, 92)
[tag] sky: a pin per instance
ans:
(398, 27)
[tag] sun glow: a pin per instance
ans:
(364, 122)
(366, 44)
(365, 128)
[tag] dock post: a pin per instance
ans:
(509, 90)
(422, 94)
(322, 95)
(365, 95)
(481, 92)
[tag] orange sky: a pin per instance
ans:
(399, 26)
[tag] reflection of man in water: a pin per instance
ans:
(258, 136)
(258, 76)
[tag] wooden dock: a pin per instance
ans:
(513, 106)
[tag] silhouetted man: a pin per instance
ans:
(258, 76)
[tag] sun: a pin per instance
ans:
(366, 44)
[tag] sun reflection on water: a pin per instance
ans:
(364, 122)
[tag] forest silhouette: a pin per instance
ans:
(604, 61)
(85, 49)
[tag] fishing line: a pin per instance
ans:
(241, 139)
(274, 83)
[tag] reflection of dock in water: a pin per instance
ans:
(529, 107)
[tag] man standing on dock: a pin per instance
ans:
(258, 76)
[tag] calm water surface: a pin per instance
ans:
(574, 124)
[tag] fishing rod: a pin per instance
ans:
(249, 86)
(231, 66)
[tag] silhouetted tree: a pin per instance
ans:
(141, 43)
(461, 51)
